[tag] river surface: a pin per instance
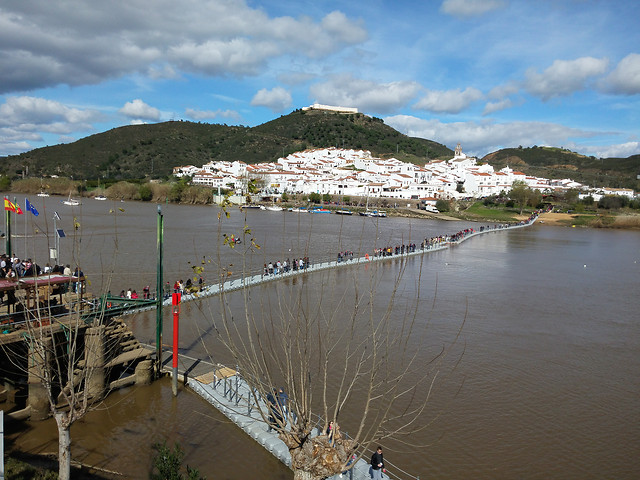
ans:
(548, 382)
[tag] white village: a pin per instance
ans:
(348, 172)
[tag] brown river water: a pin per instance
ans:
(548, 384)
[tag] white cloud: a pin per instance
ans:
(448, 101)
(470, 8)
(625, 78)
(276, 99)
(138, 110)
(620, 150)
(337, 25)
(24, 119)
(211, 114)
(367, 96)
(482, 138)
(502, 91)
(44, 43)
(32, 113)
(164, 72)
(564, 77)
(492, 107)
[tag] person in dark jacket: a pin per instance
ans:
(377, 464)
(275, 411)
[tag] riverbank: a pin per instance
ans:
(591, 220)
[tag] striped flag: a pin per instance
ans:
(12, 207)
(28, 206)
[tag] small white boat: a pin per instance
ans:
(274, 208)
(71, 201)
(299, 210)
(100, 197)
(373, 213)
(343, 212)
(43, 194)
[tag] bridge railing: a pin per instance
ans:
(244, 396)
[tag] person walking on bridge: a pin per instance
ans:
(377, 464)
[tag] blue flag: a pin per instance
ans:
(28, 206)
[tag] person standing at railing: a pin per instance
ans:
(377, 464)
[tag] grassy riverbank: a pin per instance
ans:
(45, 467)
(601, 218)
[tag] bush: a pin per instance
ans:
(145, 192)
(123, 191)
(315, 198)
(442, 205)
(168, 464)
(609, 202)
(5, 183)
(175, 193)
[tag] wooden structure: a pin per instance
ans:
(40, 298)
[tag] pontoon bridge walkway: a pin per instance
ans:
(227, 390)
(445, 242)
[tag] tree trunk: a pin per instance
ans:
(64, 448)
(303, 475)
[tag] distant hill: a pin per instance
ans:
(551, 162)
(137, 151)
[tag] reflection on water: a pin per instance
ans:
(119, 434)
(548, 383)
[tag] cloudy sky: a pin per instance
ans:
(486, 73)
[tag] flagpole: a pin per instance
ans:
(8, 232)
(24, 254)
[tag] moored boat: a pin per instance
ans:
(319, 210)
(373, 213)
(100, 197)
(71, 201)
(274, 208)
(343, 212)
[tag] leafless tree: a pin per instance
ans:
(336, 350)
(63, 356)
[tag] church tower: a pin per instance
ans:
(458, 152)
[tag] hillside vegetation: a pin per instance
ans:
(551, 162)
(137, 151)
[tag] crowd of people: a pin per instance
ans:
(285, 266)
(12, 267)
(345, 256)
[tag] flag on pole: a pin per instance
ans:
(56, 216)
(28, 206)
(12, 207)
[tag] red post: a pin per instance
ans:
(175, 301)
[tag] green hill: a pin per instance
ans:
(551, 162)
(153, 150)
